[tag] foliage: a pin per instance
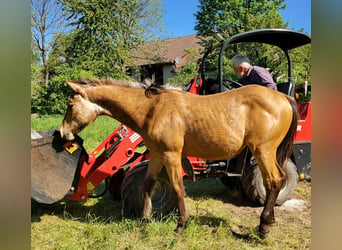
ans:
(184, 74)
(301, 59)
(36, 77)
(235, 16)
(188, 71)
(304, 98)
(105, 33)
(58, 55)
(52, 98)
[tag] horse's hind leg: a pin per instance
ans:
(273, 178)
(153, 169)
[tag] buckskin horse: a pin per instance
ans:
(175, 124)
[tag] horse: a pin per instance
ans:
(175, 124)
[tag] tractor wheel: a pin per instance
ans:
(164, 199)
(253, 186)
(114, 184)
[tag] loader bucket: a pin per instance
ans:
(53, 165)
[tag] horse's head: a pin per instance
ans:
(80, 112)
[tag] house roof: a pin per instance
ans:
(165, 51)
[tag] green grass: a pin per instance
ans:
(92, 135)
(219, 219)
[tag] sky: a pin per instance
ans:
(179, 18)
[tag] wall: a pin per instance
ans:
(167, 72)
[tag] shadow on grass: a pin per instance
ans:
(214, 188)
(103, 209)
(248, 237)
(246, 234)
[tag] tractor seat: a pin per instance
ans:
(286, 88)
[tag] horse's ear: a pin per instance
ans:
(77, 88)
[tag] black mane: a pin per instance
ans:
(154, 89)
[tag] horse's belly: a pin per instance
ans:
(212, 148)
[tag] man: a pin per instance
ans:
(249, 74)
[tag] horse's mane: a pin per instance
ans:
(150, 88)
(156, 89)
(111, 81)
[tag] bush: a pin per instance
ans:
(52, 98)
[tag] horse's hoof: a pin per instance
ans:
(263, 231)
(179, 228)
(145, 220)
(263, 235)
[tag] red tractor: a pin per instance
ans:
(119, 163)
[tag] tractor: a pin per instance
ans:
(118, 165)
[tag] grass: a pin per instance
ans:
(219, 219)
(92, 135)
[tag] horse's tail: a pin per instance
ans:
(284, 150)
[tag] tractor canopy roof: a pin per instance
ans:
(283, 38)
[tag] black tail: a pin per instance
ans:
(285, 148)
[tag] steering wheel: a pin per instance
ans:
(233, 84)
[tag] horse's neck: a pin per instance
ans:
(127, 105)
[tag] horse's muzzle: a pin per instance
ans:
(67, 135)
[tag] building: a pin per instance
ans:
(158, 60)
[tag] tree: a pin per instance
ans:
(48, 23)
(106, 31)
(230, 17)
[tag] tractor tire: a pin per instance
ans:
(114, 184)
(164, 199)
(253, 186)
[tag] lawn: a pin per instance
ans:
(219, 219)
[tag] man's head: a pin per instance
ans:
(241, 64)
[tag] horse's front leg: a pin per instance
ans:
(154, 168)
(174, 170)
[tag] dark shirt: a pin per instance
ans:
(258, 75)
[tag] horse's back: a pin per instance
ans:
(269, 114)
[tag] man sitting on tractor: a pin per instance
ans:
(249, 74)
